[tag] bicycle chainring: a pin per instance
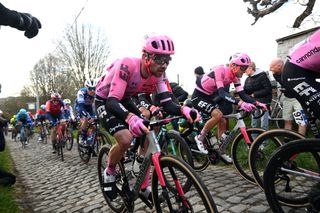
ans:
(214, 156)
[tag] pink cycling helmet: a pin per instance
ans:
(158, 44)
(240, 59)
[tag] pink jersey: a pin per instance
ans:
(218, 77)
(306, 54)
(123, 80)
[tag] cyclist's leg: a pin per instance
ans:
(206, 105)
(119, 130)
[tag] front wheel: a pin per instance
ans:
(292, 176)
(263, 147)
(84, 152)
(69, 139)
(174, 198)
(240, 152)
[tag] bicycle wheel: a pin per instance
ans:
(196, 199)
(69, 139)
(292, 172)
(117, 205)
(200, 160)
(279, 120)
(60, 149)
(240, 153)
(174, 144)
(84, 152)
(262, 148)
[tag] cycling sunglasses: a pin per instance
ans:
(91, 88)
(243, 68)
(161, 59)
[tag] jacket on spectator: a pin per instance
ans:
(259, 85)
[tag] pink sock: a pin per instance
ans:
(111, 169)
(201, 136)
(145, 183)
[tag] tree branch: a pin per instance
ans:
(304, 14)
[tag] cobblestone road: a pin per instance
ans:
(46, 184)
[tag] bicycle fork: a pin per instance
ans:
(156, 163)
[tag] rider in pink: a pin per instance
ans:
(211, 98)
(115, 108)
(301, 71)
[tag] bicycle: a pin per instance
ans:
(24, 138)
(266, 143)
(171, 142)
(276, 111)
(61, 138)
(292, 176)
(239, 149)
(168, 170)
(95, 140)
(43, 132)
(69, 135)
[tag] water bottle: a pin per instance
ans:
(224, 137)
(137, 163)
(214, 142)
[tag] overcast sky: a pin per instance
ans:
(205, 32)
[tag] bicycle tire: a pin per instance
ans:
(200, 161)
(178, 168)
(279, 119)
(69, 139)
(60, 149)
(180, 149)
(117, 205)
(240, 153)
(84, 152)
(283, 158)
(262, 148)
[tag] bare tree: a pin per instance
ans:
(261, 8)
(48, 76)
(84, 52)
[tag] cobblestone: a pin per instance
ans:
(50, 185)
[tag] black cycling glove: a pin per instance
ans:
(29, 24)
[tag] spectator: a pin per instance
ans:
(180, 94)
(258, 86)
(290, 104)
(31, 26)
(198, 71)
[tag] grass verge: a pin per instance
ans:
(7, 197)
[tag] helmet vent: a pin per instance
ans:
(163, 45)
(154, 44)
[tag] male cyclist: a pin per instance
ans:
(41, 117)
(23, 118)
(54, 114)
(301, 71)
(210, 97)
(84, 107)
(115, 109)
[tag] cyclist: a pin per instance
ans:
(301, 71)
(68, 111)
(23, 118)
(115, 109)
(54, 114)
(211, 98)
(41, 118)
(84, 107)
